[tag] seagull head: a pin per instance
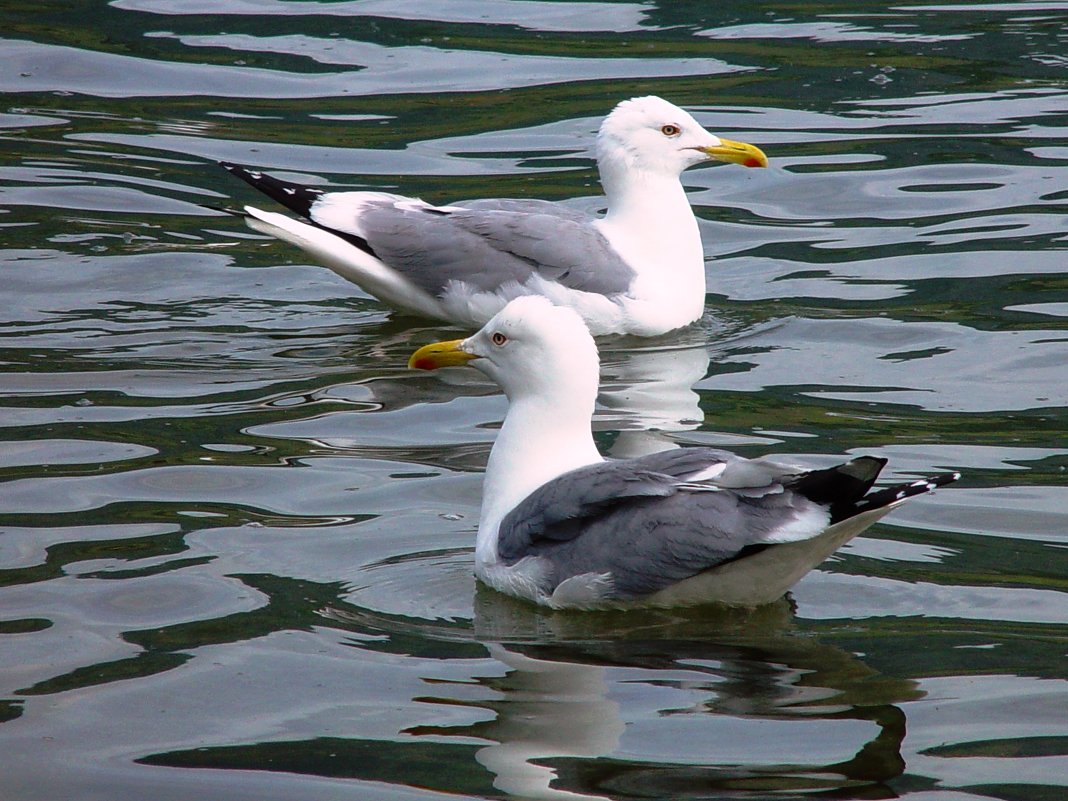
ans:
(531, 349)
(650, 134)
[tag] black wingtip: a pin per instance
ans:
(233, 169)
(295, 197)
(863, 468)
(901, 492)
(841, 486)
(847, 488)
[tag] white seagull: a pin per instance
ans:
(639, 269)
(563, 527)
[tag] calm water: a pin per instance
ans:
(235, 531)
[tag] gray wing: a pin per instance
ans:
(751, 476)
(559, 508)
(684, 463)
(648, 545)
(644, 540)
(485, 244)
(523, 206)
(648, 524)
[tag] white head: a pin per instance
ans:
(649, 134)
(530, 348)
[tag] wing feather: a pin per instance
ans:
(646, 524)
(481, 246)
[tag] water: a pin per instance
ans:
(235, 531)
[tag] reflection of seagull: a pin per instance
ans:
(577, 684)
(552, 709)
(563, 527)
(639, 269)
(648, 392)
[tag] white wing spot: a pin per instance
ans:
(707, 473)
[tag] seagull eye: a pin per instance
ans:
(670, 130)
(498, 339)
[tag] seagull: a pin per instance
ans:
(565, 528)
(638, 270)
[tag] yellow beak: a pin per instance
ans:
(440, 354)
(737, 153)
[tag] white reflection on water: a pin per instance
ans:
(533, 14)
(550, 709)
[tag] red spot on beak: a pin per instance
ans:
(424, 364)
(753, 163)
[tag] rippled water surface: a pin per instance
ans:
(236, 532)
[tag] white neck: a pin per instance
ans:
(652, 226)
(634, 194)
(540, 440)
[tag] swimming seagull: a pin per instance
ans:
(637, 270)
(563, 527)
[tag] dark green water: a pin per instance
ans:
(236, 533)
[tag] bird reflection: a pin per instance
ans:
(647, 388)
(647, 393)
(558, 723)
(550, 709)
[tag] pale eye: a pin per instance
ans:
(670, 130)
(498, 339)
